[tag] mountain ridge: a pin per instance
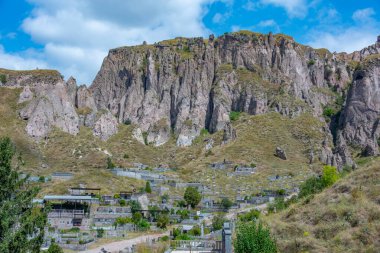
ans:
(181, 86)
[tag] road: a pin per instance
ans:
(120, 245)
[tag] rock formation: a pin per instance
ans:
(105, 126)
(280, 153)
(179, 87)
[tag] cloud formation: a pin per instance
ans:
(347, 38)
(78, 34)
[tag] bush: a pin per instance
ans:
(3, 79)
(310, 63)
(252, 215)
(328, 112)
(226, 203)
(148, 189)
(125, 156)
(192, 196)
(204, 132)
(234, 115)
(135, 206)
(195, 231)
(127, 122)
(99, 232)
(54, 248)
(217, 222)
(110, 164)
(330, 175)
(311, 186)
(122, 202)
(254, 238)
(163, 221)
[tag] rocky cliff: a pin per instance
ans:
(179, 87)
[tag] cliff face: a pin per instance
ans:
(190, 84)
(181, 86)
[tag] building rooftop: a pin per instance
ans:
(70, 198)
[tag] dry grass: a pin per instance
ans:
(344, 218)
(85, 155)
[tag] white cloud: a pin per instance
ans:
(294, 8)
(78, 34)
(363, 15)
(28, 60)
(348, 39)
(270, 23)
(250, 5)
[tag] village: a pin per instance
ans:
(85, 215)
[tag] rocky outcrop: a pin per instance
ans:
(26, 95)
(229, 133)
(105, 126)
(32, 78)
(359, 123)
(280, 153)
(86, 106)
(185, 80)
(51, 108)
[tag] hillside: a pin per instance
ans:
(85, 155)
(241, 95)
(344, 218)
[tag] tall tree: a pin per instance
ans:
(192, 196)
(21, 222)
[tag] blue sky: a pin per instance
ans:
(74, 36)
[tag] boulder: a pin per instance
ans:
(280, 153)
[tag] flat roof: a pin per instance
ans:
(85, 189)
(70, 197)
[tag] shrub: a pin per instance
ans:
(99, 232)
(192, 196)
(226, 203)
(204, 131)
(252, 215)
(125, 156)
(217, 222)
(135, 206)
(163, 221)
(328, 112)
(122, 202)
(254, 238)
(330, 175)
(54, 248)
(127, 122)
(148, 189)
(195, 231)
(41, 179)
(281, 192)
(234, 115)
(3, 79)
(310, 63)
(311, 186)
(110, 164)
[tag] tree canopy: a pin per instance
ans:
(192, 196)
(253, 237)
(22, 223)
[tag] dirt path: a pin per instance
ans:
(120, 245)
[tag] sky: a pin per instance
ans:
(74, 36)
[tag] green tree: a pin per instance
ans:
(22, 223)
(330, 175)
(135, 206)
(54, 248)
(253, 238)
(192, 196)
(218, 221)
(163, 221)
(122, 202)
(226, 203)
(148, 189)
(110, 164)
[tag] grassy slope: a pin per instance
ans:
(85, 156)
(344, 218)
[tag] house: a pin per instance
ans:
(70, 211)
